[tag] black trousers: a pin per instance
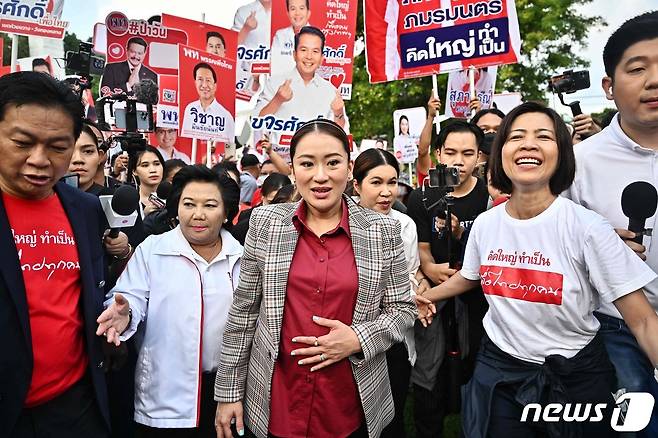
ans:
(399, 373)
(74, 413)
(206, 427)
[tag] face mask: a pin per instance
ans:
(260, 180)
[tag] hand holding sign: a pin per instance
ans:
(284, 92)
(433, 106)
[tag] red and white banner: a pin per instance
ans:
(167, 109)
(522, 284)
(204, 36)
(152, 50)
(336, 19)
(206, 96)
(41, 18)
(458, 94)
(413, 38)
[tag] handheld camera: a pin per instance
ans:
(569, 82)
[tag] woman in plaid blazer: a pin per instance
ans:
(270, 319)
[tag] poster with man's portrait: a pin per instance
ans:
(205, 36)
(137, 51)
(206, 95)
(336, 19)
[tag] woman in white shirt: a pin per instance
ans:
(376, 173)
(180, 286)
(545, 264)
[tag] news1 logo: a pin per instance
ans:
(635, 418)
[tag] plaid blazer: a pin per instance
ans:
(384, 310)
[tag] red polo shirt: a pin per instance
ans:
(51, 273)
(322, 281)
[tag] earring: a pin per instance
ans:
(225, 220)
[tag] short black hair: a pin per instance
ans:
(484, 112)
(216, 35)
(641, 28)
(309, 30)
(137, 40)
(308, 6)
(36, 62)
(228, 189)
(566, 168)
(34, 88)
(171, 165)
(268, 161)
(204, 65)
(457, 125)
(273, 183)
(371, 158)
(249, 160)
(320, 126)
(227, 167)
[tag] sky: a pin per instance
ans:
(82, 14)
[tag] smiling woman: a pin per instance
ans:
(329, 285)
(544, 264)
(180, 284)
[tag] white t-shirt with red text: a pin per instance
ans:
(543, 277)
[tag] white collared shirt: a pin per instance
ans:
(261, 34)
(177, 155)
(309, 101)
(605, 164)
(283, 47)
(213, 116)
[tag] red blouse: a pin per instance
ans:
(322, 281)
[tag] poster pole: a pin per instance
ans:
(14, 52)
(194, 147)
(471, 81)
(209, 144)
(435, 90)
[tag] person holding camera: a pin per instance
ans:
(622, 153)
(457, 147)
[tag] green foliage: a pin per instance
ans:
(551, 30)
(23, 48)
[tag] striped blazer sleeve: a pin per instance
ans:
(398, 310)
(240, 327)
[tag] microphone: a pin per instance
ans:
(120, 208)
(638, 202)
(159, 198)
(146, 91)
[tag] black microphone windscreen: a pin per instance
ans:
(125, 200)
(639, 200)
(146, 91)
(164, 190)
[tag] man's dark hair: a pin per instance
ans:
(216, 35)
(207, 66)
(227, 167)
(456, 125)
(268, 161)
(273, 183)
(309, 30)
(641, 28)
(171, 165)
(484, 112)
(566, 161)
(137, 40)
(36, 62)
(249, 160)
(30, 87)
(228, 189)
(308, 6)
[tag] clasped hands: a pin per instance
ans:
(322, 351)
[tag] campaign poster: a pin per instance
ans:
(421, 38)
(336, 19)
(458, 94)
(252, 22)
(167, 109)
(137, 50)
(205, 36)
(206, 100)
(39, 18)
(506, 102)
(408, 123)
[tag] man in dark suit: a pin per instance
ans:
(52, 270)
(120, 77)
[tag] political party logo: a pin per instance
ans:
(117, 23)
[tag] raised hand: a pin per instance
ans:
(251, 23)
(284, 92)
